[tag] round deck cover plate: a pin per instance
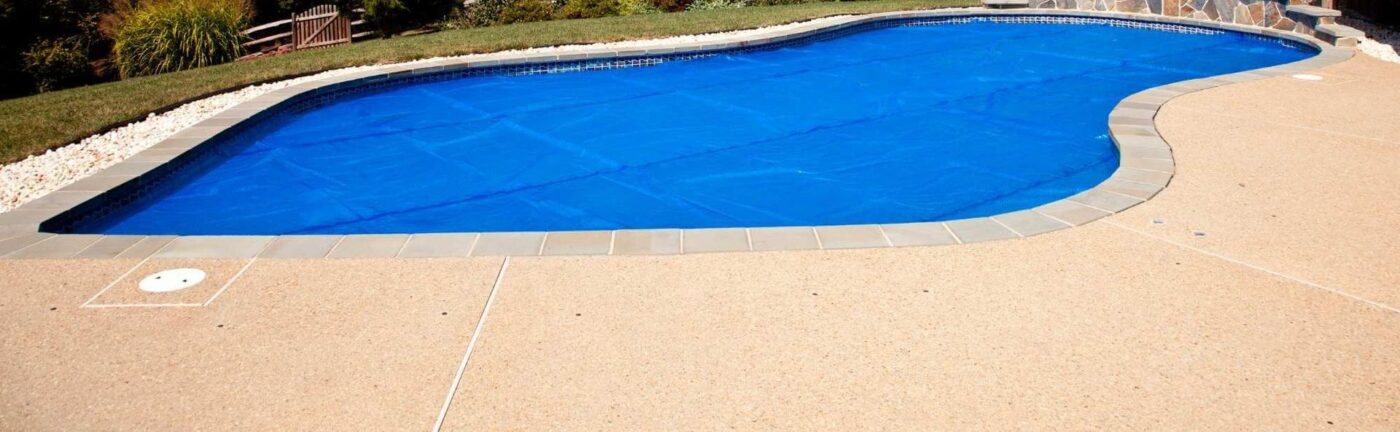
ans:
(172, 280)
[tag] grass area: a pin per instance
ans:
(33, 124)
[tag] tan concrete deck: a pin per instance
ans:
(1279, 315)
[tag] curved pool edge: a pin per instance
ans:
(1146, 168)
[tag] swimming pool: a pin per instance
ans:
(920, 120)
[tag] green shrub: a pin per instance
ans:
(588, 9)
(700, 5)
(781, 2)
(395, 16)
(171, 35)
(523, 11)
(637, 7)
(55, 64)
(479, 13)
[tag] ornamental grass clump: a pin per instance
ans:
(170, 35)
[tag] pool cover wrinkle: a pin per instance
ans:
(910, 123)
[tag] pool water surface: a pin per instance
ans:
(911, 123)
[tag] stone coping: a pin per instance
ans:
(1146, 167)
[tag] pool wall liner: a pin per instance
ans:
(1145, 166)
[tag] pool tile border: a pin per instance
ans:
(1146, 168)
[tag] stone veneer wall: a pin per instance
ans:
(1263, 13)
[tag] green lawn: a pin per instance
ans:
(33, 124)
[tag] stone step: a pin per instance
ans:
(1319, 15)
(1339, 35)
(1006, 4)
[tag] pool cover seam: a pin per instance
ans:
(196, 144)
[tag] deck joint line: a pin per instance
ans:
(1110, 212)
(1305, 282)
(1140, 200)
(334, 246)
(885, 236)
(88, 303)
(403, 246)
(238, 275)
(471, 345)
(1008, 227)
(1053, 218)
(89, 246)
(16, 251)
(125, 249)
(475, 241)
(951, 233)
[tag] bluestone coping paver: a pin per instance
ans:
(980, 230)
(13, 244)
(146, 247)
(439, 245)
(783, 238)
(1071, 212)
(715, 240)
(110, 247)
(1143, 176)
(57, 247)
(1105, 200)
(919, 234)
(509, 243)
(851, 236)
(215, 247)
(578, 243)
(1159, 165)
(1027, 223)
(369, 246)
(301, 246)
(1141, 191)
(647, 242)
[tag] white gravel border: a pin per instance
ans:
(1380, 42)
(35, 176)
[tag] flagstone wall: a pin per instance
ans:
(1263, 13)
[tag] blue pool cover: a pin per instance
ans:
(910, 123)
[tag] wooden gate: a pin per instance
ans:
(320, 26)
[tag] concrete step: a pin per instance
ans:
(1314, 14)
(1339, 35)
(1006, 4)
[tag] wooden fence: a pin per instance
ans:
(317, 27)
